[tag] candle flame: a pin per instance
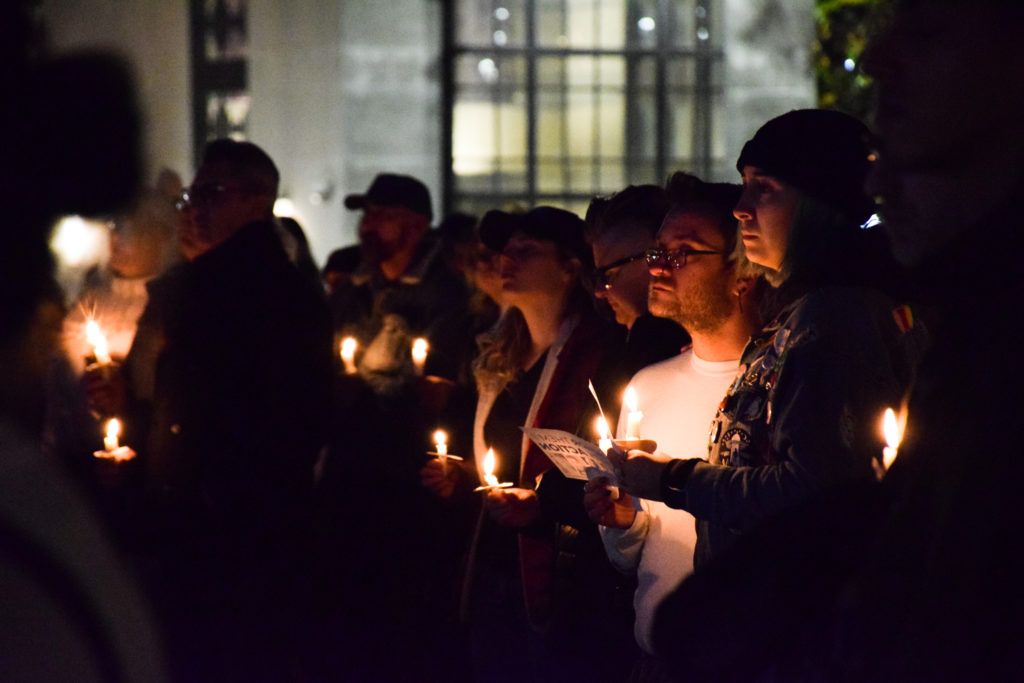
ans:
(890, 428)
(630, 399)
(99, 342)
(419, 350)
(348, 348)
(602, 428)
(441, 442)
(113, 431)
(490, 463)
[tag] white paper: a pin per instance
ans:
(575, 457)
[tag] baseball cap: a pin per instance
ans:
(562, 227)
(391, 189)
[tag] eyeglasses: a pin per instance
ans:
(603, 276)
(205, 195)
(673, 259)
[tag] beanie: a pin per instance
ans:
(822, 153)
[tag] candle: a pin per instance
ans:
(99, 342)
(112, 450)
(634, 416)
(604, 435)
(113, 431)
(441, 448)
(489, 465)
(891, 431)
(419, 353)
(348, 354)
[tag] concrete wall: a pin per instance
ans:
(342, 91)
(154, 36)
(768, 63)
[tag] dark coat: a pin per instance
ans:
(242, 390)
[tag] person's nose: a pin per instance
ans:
(744, 210)
(659, 267)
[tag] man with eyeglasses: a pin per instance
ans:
(620, 229)
(239, 413)
(695, 281)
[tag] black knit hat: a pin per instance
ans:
(822, 153)
(562, 227)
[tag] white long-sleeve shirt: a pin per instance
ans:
(678, 398)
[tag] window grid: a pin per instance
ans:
(667, 81)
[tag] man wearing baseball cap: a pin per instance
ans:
(400, 289)
(400, 279)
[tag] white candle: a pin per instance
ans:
(604, 435)
(440, 442)
(634, 416)
(99, 342)
(348, 354)
(419, 353)
(891, 431)
(112, 450)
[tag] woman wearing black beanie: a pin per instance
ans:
(802, 420)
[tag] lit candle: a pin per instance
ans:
(419, 353)
(348, 354)
(112, 450)
(99, 342)
(441, 448)
(634, 416)
(891, 431)
(113, 431)
(604, 435)
(489, 465)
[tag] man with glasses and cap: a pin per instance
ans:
(620, 229)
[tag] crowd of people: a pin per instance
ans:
(325, 474)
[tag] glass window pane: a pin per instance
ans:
(646, 24)
(684, 21)
(551, 23)
(484, 23)
(225, 33)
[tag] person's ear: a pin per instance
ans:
(742, 285)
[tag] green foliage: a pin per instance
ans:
(844, 28)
